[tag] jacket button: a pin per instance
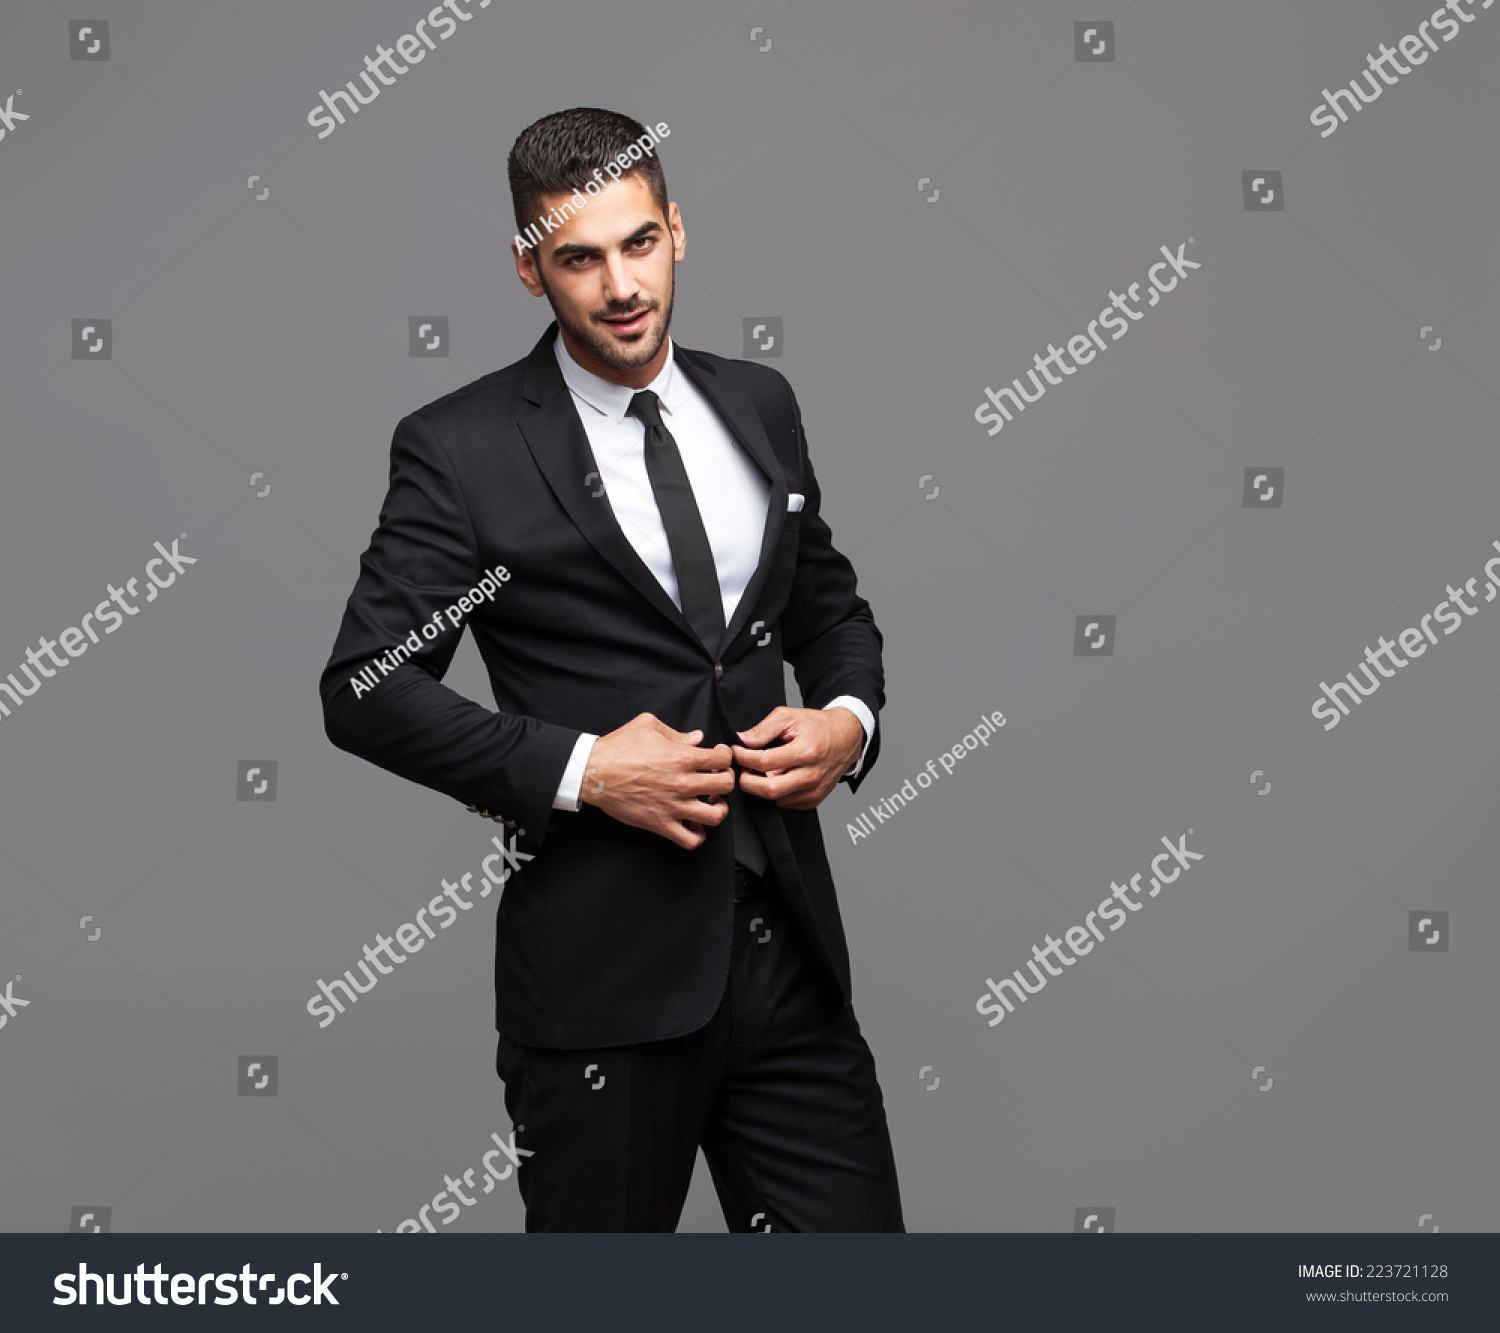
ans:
(718, 671)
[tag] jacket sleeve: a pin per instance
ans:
(421, 559)
(828, 632)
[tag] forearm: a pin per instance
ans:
(828, 632)
(844, 660)
(865, 715)
(420, 729)
(382, 691)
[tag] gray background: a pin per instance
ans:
(271, 336)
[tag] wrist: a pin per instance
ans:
(852, 732)
(592, 784)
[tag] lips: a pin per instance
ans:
(630, 324)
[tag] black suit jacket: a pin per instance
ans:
(611, 935)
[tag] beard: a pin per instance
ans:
(604, 345)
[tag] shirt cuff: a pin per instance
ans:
(572, 778)
(861, 710)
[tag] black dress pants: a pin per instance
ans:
(779, 1088)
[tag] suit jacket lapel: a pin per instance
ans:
(560, 446)
(738, 412)
(558, 443)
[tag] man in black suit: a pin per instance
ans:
(670, 966)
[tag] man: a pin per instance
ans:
(670, 965)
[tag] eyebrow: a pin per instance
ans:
(571, 248)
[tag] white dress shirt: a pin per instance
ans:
(732, 494)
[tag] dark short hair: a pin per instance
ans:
(559, 154)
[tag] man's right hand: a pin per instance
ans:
(650, 776)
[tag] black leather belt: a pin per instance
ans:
(745, 881)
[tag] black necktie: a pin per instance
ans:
(698, 590)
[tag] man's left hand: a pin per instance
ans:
(818, 746)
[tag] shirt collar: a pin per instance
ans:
(610, 399)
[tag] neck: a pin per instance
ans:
(636, 377)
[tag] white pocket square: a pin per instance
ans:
(794, 502)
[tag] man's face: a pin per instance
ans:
(608, 274)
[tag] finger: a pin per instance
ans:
(712, 813)
(690, 786)
(691, 805)
(806, 795)
(687, 834)
(686, 837)
(774, 724)
(667, 759)
(662, 729)
(794, 754)
(712, 761)
(714, 785)
(778, 788)
(756, 785)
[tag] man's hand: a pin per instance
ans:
(819, 745)
(650, 776)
